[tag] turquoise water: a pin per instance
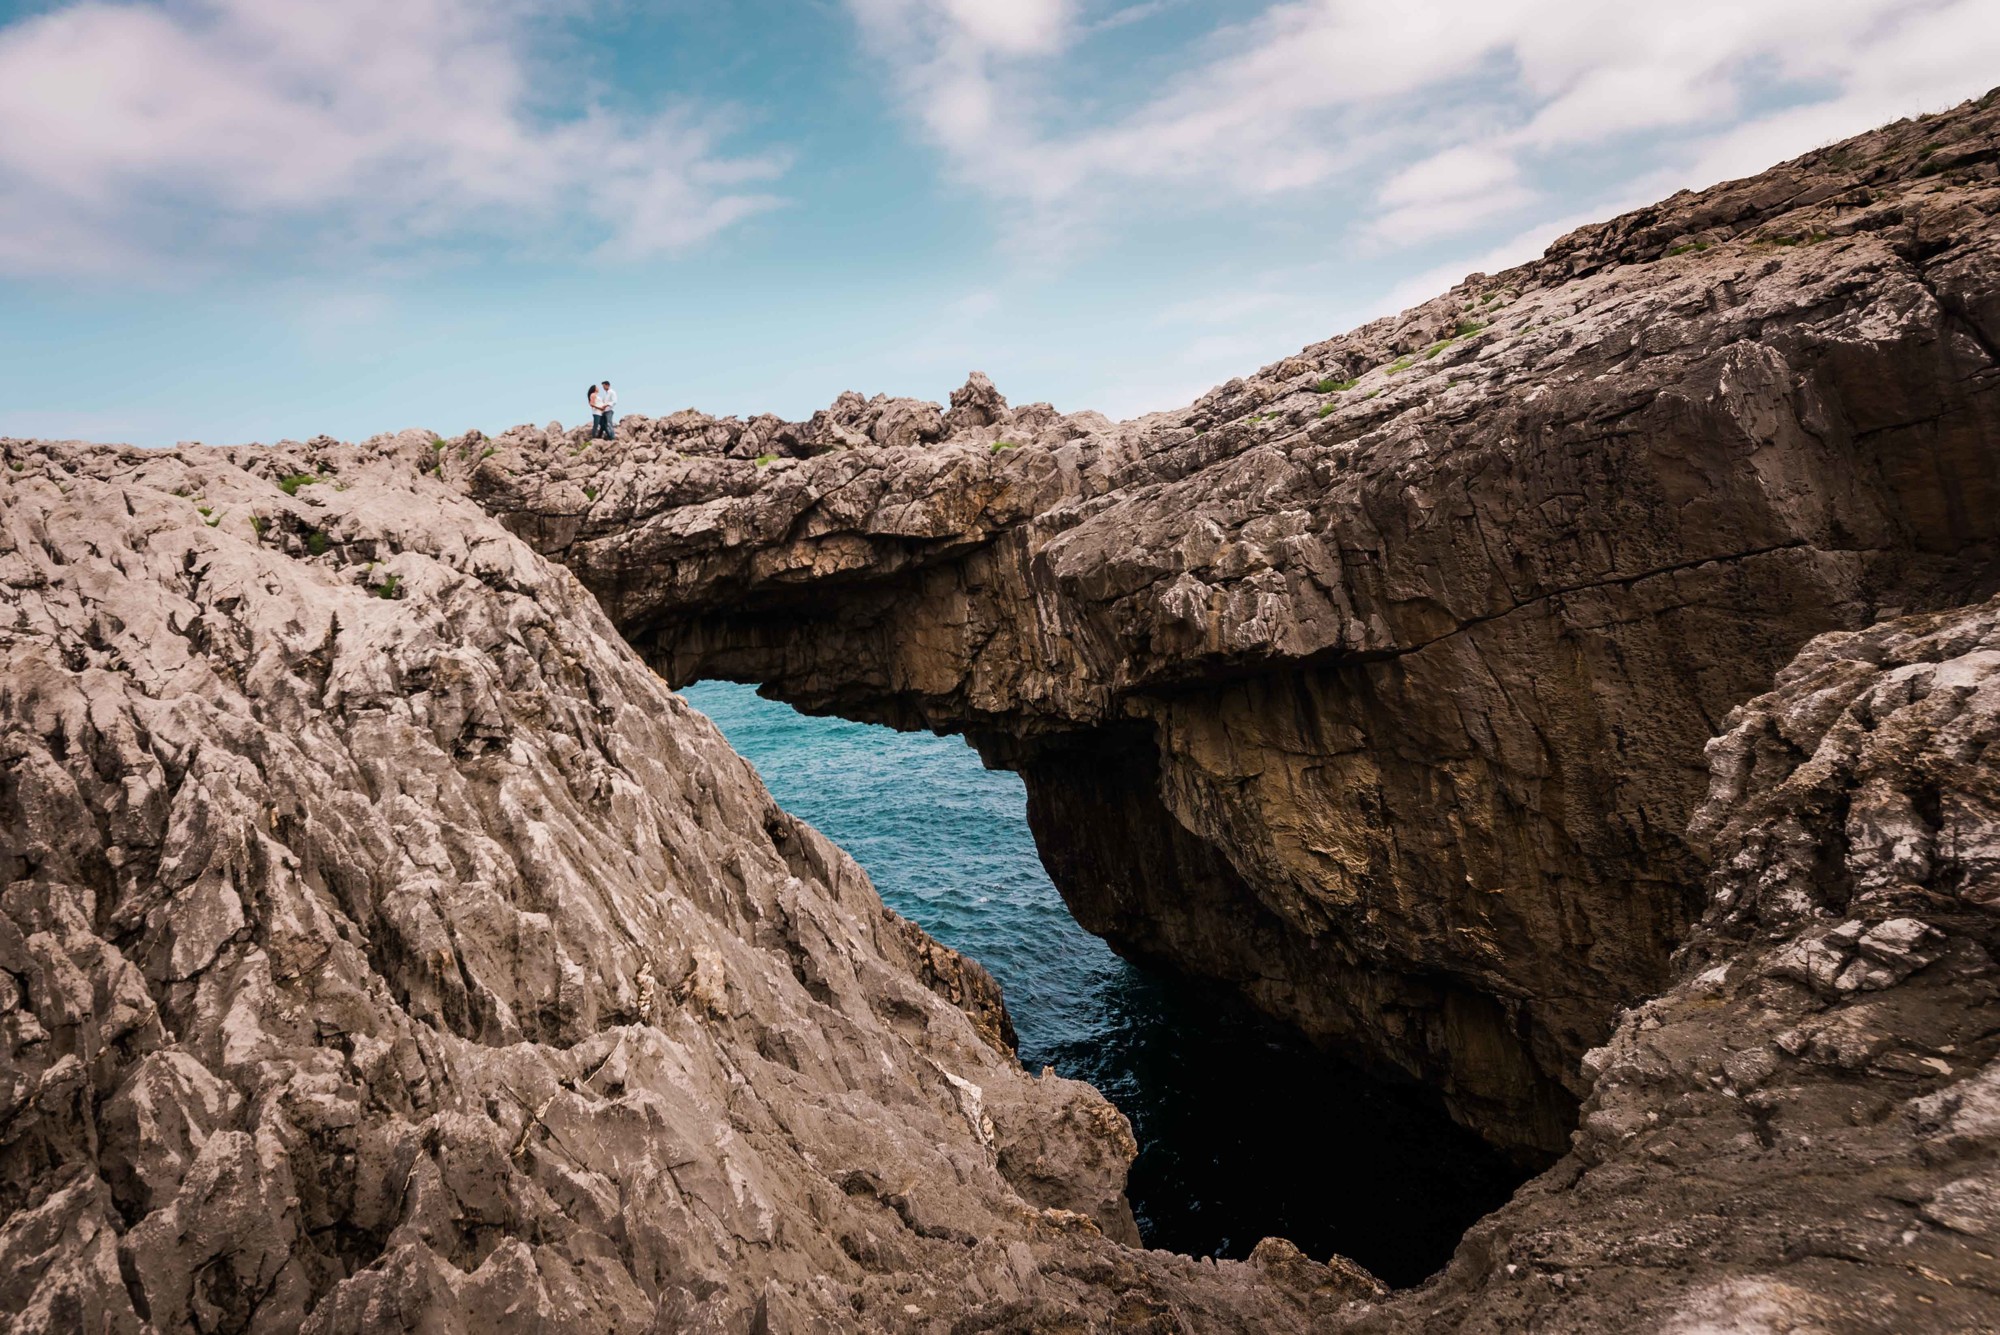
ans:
(1243, 1130)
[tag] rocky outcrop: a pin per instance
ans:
(383, 947)
(1376, 683)
(1803, 1133)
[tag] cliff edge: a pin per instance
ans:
(1375, 684)
(1579, 692)
(383, 947)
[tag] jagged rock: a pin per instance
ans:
(1337, 1282)
(1756, 1142)
(766, 434)
(383, 947)
(976, 403)
(902, 423)
(1375, 683)
(843, 426)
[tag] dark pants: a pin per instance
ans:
(600, 426)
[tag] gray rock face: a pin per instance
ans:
(383, 947)
(1803, 1133)
(1376, 683)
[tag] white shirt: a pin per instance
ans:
(607, 399)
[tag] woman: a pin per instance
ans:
(597, 431)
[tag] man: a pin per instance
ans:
(607, 401)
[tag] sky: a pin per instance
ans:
(250, 220)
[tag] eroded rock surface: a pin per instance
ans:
(383, 947)
(1803, 1133)
(1375, 683)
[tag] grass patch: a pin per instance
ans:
(1332, 386)
(590, 493)
(291, 482)
(1370, 394)
(205, 510)
(214, 521)
(1437, 347)
(1328, 409)
(18, 466)
(1467, 328)
(258, 524)
(438, 443)
(1402, 363)
(316, 543)
(1686, 247)
(764, 459)
(1000, 445)
(488, 453)
(387, 588)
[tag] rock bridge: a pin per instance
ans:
(1375, 684)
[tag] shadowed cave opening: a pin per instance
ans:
(1244, 1129)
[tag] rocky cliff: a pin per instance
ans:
(1803, 1132)
(1375, 683)
(384, 947)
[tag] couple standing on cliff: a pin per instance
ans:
(603, 399)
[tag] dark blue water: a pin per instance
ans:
(1243, 1130)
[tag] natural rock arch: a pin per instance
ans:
(1375, 683)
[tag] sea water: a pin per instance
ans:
(1244, 1131)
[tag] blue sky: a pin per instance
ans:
(232, 220)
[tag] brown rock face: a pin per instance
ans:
(1803, 1133)
(383, 947)
(1376, 683)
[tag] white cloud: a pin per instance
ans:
(1017, 27)
(136, 134)
(1449, 192)
(1519, 248)
(1486, 96)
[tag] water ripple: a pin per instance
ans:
(1243, 1130)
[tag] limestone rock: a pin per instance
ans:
(384, 947)
(1376, 683)
(976, 403)
(1757, 1142)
